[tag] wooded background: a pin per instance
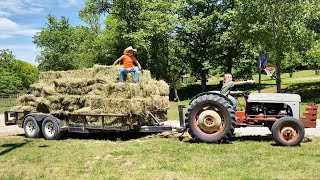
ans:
(176, 37)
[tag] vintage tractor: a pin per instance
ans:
(211, 118)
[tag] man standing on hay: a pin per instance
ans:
(128, 60)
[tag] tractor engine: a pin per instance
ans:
(268, 109)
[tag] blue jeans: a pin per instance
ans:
(234, 102)
(124, 71)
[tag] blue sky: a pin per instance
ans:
(20, 20)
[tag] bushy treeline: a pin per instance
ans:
(15, 75)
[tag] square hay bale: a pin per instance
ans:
(83, 110)
(160, 102)
(36, 88)
(94, 101)
(26, 98)
(150, 88)
(117, 106)
(23, 108)
(154, 87)
(78, 73)
(138, 105)
(107, 73)
(48, 75)
(48, 90)
(72, 102)
(118, 90)
(74, 82)
(108, 105)
(163, 88)
(145, 76)
(74, 85)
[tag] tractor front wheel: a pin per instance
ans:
(288, 131)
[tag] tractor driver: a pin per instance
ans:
(128, 60)
(228, 84)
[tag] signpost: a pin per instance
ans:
(262, 64)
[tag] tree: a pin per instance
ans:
(276, 26)
(149, 26)
(15, 74)
(26, 72)
(200, 31)
(313, 57)
(65, 47)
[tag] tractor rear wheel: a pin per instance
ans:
(288, 131)
(210, 118)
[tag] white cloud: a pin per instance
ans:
(24, 52)
(6, 24)
(10, 29)
(68, 3)
(14, 7)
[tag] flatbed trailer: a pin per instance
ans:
(52, 126)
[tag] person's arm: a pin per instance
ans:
(118, 60)
(235, 92)
(138, 64)
(244, 82)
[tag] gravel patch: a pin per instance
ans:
(9, 130)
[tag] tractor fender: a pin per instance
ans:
(211, 92)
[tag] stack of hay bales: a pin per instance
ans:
(95, 90)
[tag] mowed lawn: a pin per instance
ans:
(157, 157)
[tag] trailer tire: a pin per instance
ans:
(51, 129)
(210, 118)
(288, 131)
(31, 127)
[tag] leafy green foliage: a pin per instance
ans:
(15, 74)
(65, 47)
(277, 27)
(313, 56)
(176, 37)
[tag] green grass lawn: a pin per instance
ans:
(7, 104)
(160, 157)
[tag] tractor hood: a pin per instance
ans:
(274, 97)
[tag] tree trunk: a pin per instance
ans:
(175, 90)
(278, 76)
(229, 59)
(204, 82)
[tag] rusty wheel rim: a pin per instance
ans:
(209, 121)
(289, 132)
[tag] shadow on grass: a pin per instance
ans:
(187, 138)
(112, 136)
(309, 91)
(258, 138)
(11, 147)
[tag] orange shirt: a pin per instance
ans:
(128, 61)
